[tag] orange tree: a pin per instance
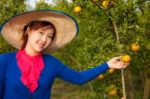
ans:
(8, 9)
(107, 30)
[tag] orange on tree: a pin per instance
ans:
(126, 58)
(77, 9)
(112, 92)
(135, 47)
(105, 3)
(111, 70)
(101, 77)
(108, 3)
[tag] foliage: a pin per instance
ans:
(9, 8)
(97, 41)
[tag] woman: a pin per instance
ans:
(29, 73)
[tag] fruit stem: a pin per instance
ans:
(123, 83)
(115, 27)
(118, 43)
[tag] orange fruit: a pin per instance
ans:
(101, 77)
(111, 70)
(77, 9)
(105, 4)
(126, 58)
(112, 92)
(135, 47)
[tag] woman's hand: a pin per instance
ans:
(116, 63)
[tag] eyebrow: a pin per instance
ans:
(51, 34)
(46, 29)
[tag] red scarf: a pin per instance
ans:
(31, 67)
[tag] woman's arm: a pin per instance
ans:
(81, 77)
(2, 75)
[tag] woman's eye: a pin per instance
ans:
(41, 33)
(50, 36)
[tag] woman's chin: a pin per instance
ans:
(38, 50)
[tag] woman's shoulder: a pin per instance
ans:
(50, 56)
(52, 59)
(5, 59)
(7, 54)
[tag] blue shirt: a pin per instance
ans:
(11, 86)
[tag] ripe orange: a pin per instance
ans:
(111, 70)
(126, 58)
(112, 92)
(101, 77)
(77, 9)
(135, 47)
(105, 3)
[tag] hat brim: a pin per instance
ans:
(66, 27)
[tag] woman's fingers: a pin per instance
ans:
(117, 63)
(125, 65)
(118, 58)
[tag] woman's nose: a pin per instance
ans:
(44, 39)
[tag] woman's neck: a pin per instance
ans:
(31, 52)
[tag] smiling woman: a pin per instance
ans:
(37, 36)
(30, 72)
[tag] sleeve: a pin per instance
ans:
(81, 77)
(2, 77)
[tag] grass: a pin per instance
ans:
(65, 90)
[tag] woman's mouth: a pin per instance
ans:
(41, 45)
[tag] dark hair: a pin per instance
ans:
(34, 25)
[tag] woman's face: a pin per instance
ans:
(39, 39)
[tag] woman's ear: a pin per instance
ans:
(28, 32)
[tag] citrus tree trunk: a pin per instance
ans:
(130, 87)
(147, 86)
